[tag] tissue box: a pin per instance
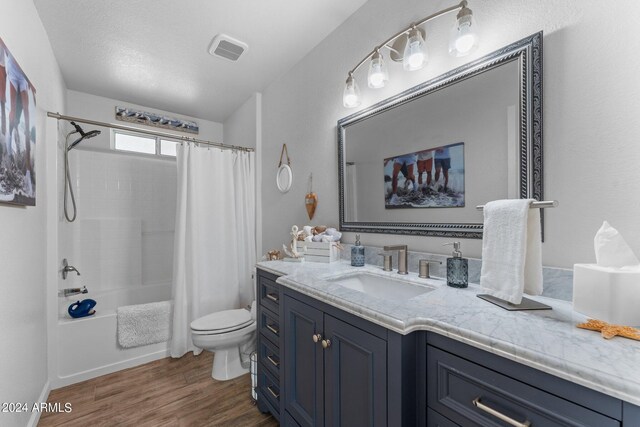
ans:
(321, 252)
(607, 294)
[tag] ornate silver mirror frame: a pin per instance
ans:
(528, 54)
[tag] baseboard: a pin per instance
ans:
(108, 369)
(44, 395)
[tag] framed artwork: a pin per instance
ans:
(17, 132)
(152, 119)
(429, 178)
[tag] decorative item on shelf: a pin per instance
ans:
(311, 199)
(320, 243)
(131, 115)
(408, 46)
(292, 250)
(82, 308)
(284, 176)
(609, 331)
(274, 255)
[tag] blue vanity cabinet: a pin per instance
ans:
(467, 386)
(269, 345)
(335, 373)
(304, 363)
(354, 373)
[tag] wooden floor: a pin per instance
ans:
(167, 392)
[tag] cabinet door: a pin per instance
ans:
(303, 365)
(355, 376)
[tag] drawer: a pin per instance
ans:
(269, 326)
(434, 419)
(470, 394)
(269, 356)
(269, 389)
(269, 293)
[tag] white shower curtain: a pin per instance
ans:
(215, 249)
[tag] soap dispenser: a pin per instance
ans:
(357, 253)
(457, 268)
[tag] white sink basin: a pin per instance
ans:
(381, 286)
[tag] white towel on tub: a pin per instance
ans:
(511, 250)
(144, 324)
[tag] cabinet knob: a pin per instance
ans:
(326, 343)
(316, 337)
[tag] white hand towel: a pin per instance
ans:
(511, 250)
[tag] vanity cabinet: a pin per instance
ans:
(335, 369)
(335, 373)
(269, 345)
(321, 366)
(466, 386)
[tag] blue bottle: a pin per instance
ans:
(457, 268)
(357, 253)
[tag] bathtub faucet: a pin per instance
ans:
(66, 269)
(73, 291)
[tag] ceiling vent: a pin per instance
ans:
(227, 47)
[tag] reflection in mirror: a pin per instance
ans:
(420, 162)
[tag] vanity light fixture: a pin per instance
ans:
(378, 74)
(351, 95)
(408, 46)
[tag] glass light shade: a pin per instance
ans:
(351, 94)
(378, 74)
(415, 52)
(464, 37)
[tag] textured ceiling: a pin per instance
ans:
(154, 52)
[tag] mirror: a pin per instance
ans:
(284, 178)
(421, 161)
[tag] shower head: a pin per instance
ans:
(83, 135)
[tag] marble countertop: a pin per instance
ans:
(547, 340)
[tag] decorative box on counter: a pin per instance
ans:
(609, 294)
(321, 251)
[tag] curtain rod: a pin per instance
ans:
(59, 116)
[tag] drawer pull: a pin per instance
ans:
(272, 329)
(273, 393)
(326, 343)
(317, 337)
(272, 297)
(273, 361)
(476, 402)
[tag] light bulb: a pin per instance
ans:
(378, 74)
(415, 53)
(351, 94)
(464, 38)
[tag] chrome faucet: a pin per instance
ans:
(402, 257)
(72, 291)
(66, 269)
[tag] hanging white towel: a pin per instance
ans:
(511, 250)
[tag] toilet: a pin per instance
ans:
(223, 333)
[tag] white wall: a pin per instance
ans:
(244, 128)
(590, 114)
(240, 128)
(23, 252)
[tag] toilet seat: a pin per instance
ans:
(222, 322)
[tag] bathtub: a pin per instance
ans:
(88, 347)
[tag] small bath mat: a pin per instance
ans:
(144, 324)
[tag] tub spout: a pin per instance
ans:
(73, 291)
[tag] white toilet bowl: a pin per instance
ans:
(223, 333)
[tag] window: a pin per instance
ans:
(140, 143)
